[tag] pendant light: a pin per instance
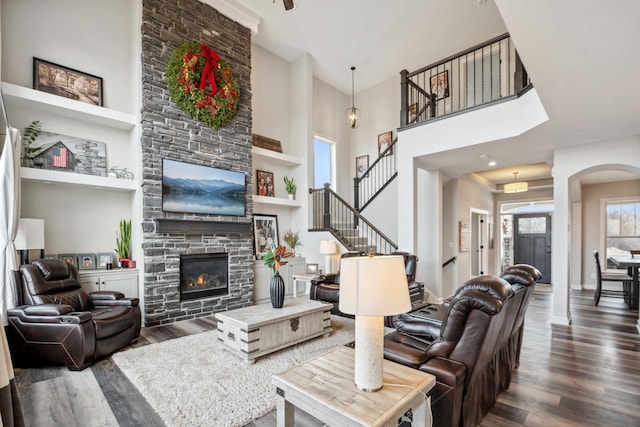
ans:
(289, 5)
(353, 114)
(516, 186)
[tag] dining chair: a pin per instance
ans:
(623, 279)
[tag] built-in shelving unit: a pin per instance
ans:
(275, 157)
(21, 96)
(50, 176)
(276, 201)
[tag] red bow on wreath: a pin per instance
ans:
(211, 61)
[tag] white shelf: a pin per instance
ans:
(69, 178)
(21, 96)
(275, 157)
(265, 200)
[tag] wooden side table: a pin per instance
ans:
(324, 387)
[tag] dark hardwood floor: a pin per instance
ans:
(586, 374)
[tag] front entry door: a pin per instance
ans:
(532, 242)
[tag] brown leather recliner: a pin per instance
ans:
(61, 324)
(461, 351)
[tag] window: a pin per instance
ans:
(622, 227)
(323, 155)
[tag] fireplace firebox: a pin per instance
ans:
(203, 275)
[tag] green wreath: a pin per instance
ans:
(191, 68)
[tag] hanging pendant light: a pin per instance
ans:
(516, 186)
(353, 114)
(289, 5)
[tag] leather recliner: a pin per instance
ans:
(461, 351)
(59, 323)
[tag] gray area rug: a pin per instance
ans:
(194, 381)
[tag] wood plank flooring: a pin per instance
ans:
(586, 374)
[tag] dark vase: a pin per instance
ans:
(277, 291)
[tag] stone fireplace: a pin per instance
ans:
(170, 238)
(203, 275)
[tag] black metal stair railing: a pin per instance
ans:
(374, 180)
(486, 73)
(332, 213)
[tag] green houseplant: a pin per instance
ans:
(273, 259)
(290, 186)
(123, 242)
(30, 135)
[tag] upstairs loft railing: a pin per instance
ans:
(369, 183)
(332, 213)
(489, 72)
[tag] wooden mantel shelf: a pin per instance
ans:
(184, 226)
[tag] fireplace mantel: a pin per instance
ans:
(183, 226)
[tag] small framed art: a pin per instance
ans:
(67, 82)
(104, 258)
(384, 143)
(440, 85)
(362, 164)
(265, 232)
(412, 113)
(265, 183)
(86, 261)
(312, 268)
(70, 258)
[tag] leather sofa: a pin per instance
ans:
(59, 323)
(327, 287)
(470, 343)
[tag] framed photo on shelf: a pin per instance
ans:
(362, 164)
(384, 142)
(86, 261)
(265, 183)
(265, 232)
(440, 85)
(104, 258)
(312, 268)
(67, 82)
(70, 258)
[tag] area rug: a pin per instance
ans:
(194, 381)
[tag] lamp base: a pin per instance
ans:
(369, 352)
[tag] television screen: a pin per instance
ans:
(192, 188)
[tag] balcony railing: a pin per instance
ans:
(477, 76)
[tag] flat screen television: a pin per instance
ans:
(190, 188)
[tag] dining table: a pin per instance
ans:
(632, 264)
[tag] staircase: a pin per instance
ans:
(345, 222)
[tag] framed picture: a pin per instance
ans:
(265, 232)
(440, 85)
(67, 82)
(86, 261)
(384, 142)
(66, 153)
(312, 268)
(51, 256)
(265, 183)
(412, 113)
(70, 258)
(104, 258)
(362, 164)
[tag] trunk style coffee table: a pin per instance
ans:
(324, 388)
(255, 331)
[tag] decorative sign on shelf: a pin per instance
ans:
(267, 143)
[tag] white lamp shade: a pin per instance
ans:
(30, 234)
(374, 286)
(516, 187)
(328, 247)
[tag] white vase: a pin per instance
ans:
(291, 196)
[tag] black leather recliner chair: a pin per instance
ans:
(61, 324)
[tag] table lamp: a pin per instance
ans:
(30, 236)
(372, 287)
(328, 248)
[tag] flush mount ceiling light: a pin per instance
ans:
(353, 114)
(516, 186)
(289, 5)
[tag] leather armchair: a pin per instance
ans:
(461, 351)
(59, 323)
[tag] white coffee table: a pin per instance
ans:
(251, 332)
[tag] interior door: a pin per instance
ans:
(532, 242)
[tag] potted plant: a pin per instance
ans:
(292, 239)
(123, 243)
(290, 186)
(273, 259)
(31, 133)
